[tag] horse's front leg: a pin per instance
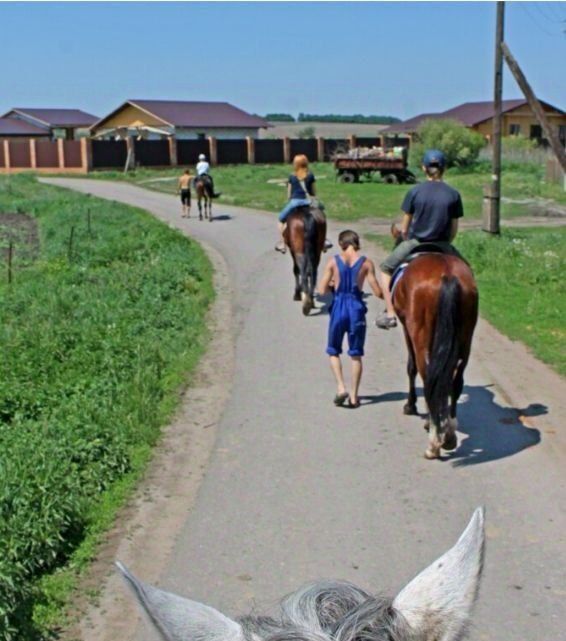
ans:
(210, 211)
(199, 209)
(450, 439)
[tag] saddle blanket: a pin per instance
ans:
(397, 275)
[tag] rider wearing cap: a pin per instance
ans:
(430, 215)
(203, 170)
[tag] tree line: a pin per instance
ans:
(355, 118)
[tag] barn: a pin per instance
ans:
(184, 120)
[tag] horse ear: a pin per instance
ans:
(179, 619)
(437, 603)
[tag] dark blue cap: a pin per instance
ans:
(434, 158)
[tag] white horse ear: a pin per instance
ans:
(179, 619)
(437, 603)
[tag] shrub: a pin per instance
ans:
(93, 352)
(460, 145)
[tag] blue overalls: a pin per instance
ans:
(347, 312)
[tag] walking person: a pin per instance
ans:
(184, 189)
(301, 189)
(430, 214)
(344, 275)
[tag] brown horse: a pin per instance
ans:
(436, 301)
(305, 235)
(203, 189)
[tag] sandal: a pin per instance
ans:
(340, 399)
(281, 247)
(353, 405)
(386, 322)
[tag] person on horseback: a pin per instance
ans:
(203, 173)
(430, 215)
(344, 275)
(300, 189)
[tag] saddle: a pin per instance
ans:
(314, 210)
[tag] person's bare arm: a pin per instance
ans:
(327, 277)
(453, 229)
(405, 224)
(372, 279)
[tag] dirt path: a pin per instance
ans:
(289, 488)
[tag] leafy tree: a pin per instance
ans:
(356, 118)
(279, 117)
(307, 132)
(460, 144)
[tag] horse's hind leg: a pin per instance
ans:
(199, 209)
(410, 407)
(210, 211)
(297, 273)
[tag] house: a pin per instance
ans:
(518, 119)
(184, 120)
(13, 129)
(68, 124)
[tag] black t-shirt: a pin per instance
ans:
(297, 190)
(433, 205)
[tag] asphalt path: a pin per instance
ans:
(296, 489)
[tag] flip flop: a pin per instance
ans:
(352, 405)
(340, 399)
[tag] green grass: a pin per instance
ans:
(520, 277)
(96, 344)
(250, 186)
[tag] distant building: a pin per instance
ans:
(13, 128)
(184, 120)
(68, 124)
(518, 119)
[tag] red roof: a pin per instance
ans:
(179, 113)
(17, 127)
(469, 114)
(56, 117)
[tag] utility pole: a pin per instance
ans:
(492, 193)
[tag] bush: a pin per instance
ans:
(460, 145)
(94, 350)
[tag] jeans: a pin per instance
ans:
(292, 204)
(400, 253)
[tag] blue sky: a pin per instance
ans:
(399, 58)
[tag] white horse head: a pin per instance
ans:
(434, 606)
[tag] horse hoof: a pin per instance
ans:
(409, 410)
(306, 310)
(432, 453)
(297, 297)
(450, 442)
(426, 426)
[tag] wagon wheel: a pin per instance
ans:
(347, 177)
(391, 179)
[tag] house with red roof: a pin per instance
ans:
(181, 119)
(68, 124)
(518, 119)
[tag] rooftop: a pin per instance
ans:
(16, 127)
(55, 117)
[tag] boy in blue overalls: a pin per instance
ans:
(345, 275)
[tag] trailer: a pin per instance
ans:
(391, 166)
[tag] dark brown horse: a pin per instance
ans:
(437, 302)
(203, 190)
(305, 235)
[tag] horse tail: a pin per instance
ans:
(444, 351)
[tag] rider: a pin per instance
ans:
(300, 189)
(430, 214)
(345, 274)
(203, 170)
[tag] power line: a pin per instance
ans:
(524, 7)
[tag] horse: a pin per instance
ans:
(305, 235)
(203, 189)
(436, 301)
(436, 604)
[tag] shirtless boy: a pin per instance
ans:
(184, 189)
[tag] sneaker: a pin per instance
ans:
(281, 247)
(385, 322)
(327, 245)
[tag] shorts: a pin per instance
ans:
(347, 316)
(186, 197)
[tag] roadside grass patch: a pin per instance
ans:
(520, 277)
(259, 186)
(98, 336)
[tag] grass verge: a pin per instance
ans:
(99, 331)
(263, 187)
(521, 284)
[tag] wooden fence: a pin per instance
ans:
(63, 156)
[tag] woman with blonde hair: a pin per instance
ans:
(300, 190)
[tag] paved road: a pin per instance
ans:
(296, 489)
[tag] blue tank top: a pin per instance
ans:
(348, 284)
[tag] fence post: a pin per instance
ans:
(286, 150)
(251, 150)
(353, 141)
(32, 153)
(86, 154)
(320, 149)
(213, 150)
(173, 161)
(7, 162)
(60, 153)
